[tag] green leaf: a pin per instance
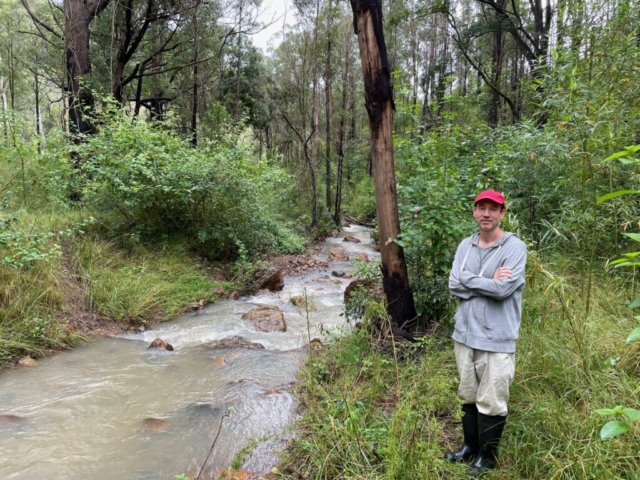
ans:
(627, 151)
(635, 303)
(613, 429)
(623, 153)
(615, 194)
(632, 414)
(634, 335)
(606, 411)
(633, 236)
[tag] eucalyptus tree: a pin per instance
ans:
(295, 68)
(78, 16)
(368, 25)
(346, 112)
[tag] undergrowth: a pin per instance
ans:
(58, 272)
(375, 409)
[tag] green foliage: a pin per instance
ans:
(614, 428)
(368, 271)
(361, 202)
(48, 286)
(617, 427)
(357, 427)
(355, 306)
(411, 415)
(146, 181)
(23, 247)
(433, 197)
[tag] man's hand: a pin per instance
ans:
(502, 273)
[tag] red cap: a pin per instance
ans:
(492, 195)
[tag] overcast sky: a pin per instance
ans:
(278, 12)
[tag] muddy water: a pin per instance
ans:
(117, 410)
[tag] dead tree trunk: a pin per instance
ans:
(367, 20)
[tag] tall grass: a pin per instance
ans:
(80, 273)
(568, 365)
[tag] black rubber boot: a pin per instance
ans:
(491, 429)
(470, 429)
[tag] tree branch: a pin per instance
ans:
(96, 7)
(39, 22)
(478, 68)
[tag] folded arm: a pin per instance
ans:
(497, 289)
(456, 287)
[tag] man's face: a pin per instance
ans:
(488, 215)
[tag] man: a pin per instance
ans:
(488, 278)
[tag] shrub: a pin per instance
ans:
(146, 181)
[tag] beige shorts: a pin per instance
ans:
(485, 378)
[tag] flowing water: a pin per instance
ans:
(115, 409)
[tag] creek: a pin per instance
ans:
(114, 409)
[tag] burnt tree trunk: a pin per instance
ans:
(367, 20)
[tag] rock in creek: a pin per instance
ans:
(198, 409)
(234, 295)
(155, 425)
(9, 421)
(315, 345)
(233, 342)
(266, 318)
(159, 343)
(27, 362)
(218, 362)
(338, 254)
(231, 474)
(338, 273)
(219, 291)
(352, 239)
(261, 292)
(373, 288)
(299, 301)
(364, 257)
(273, 391)
(273, 282)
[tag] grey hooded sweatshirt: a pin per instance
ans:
(489, 312)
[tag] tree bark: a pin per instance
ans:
(496, 67)
(342, 130)
(327, 110)
(367, 15)
(305, 147)
(77, 17)
(238, 111)
(194, 106)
